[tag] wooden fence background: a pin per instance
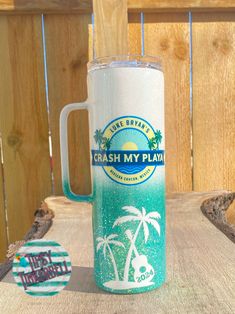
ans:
(198, 51)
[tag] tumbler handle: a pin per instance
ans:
(64, 152)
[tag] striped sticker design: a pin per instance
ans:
(42, 268)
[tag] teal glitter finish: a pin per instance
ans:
(112, 202)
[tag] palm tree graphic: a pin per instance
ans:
(106, 242)
(158, 137)
(98, 137)
(106, 142)
(151, 143)
(144, 219)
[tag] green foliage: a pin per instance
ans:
(158, 137)
(104, 143)
(98, 137)
(151, 143)
(154, 142)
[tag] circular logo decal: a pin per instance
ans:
(128, 150)
(41, 268)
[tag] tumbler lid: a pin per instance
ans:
(135, 61)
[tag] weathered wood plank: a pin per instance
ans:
(3, 230)
(46, 6)
(67, 41)
(167, 36)
(23, 120)
(200, 266)
(213, 101)
(134, 34)
(85, 6)
(179, 5)
(111, 27)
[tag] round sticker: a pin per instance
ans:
(41, 268)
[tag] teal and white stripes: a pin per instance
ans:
(41, 268)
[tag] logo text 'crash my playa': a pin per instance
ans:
(128, 150)
(119, 157)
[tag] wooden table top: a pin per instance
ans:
(200, 266)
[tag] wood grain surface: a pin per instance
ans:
(23, 120)
(67, 42)
(111, 27)
(167, 36)
(134, 34)
(200, 266)
(46, 6)
(85, 6)
(69, 45)
(213, 101)
(179, 5)
(3, 230)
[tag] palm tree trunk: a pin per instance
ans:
(129, 254)
(114, 263)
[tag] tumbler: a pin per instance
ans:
(125, 106)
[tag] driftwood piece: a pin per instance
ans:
(230, 213)
(4, 268)
(215, 210)
(200, 266)
(42, 222)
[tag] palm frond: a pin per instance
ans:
(132, 210)
(155, 224)
(146, 231)
(143, 212)
(99, 246)
(153, 215)
(99, 239)
(129, 234)
(124, 219)
(112, 236)
(115, 242)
